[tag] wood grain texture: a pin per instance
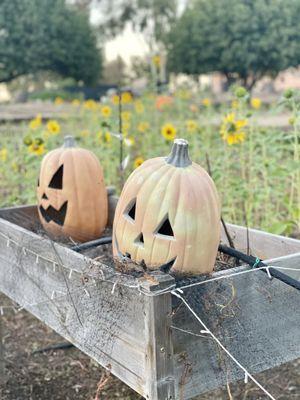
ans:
(256, 319)
(262, 244)
(159, 357)
(107, 326)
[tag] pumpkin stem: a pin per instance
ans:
(179, 156)
(69, 142)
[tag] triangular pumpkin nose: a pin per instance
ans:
(139, 240)
(45, 196)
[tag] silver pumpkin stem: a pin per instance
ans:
(69, 141)
(179, 156)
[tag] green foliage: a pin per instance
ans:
(149, 16)
(46, 35)
(51, 95)
(258, 179)
(244, 39)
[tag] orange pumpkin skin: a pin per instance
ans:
(72, 197)
(169, 214)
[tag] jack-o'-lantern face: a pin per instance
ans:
(72, 199)
(141, 238)
(168, 215)
(55, 210)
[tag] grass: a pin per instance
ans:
(258, 177)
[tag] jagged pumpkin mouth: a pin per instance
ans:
(166, 268)
(51, 214)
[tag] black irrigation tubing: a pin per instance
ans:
(94, 243)
(251, 260)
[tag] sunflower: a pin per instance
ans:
(104, 137)
(37, 149)
(53, 127)
(126, 116)
(106, 111)
(90, 105)
(139, 107)
(58, 101)
(27, 140)
(156, 60)
(191, 125)
(85, 133)
(36, 122)
(129, 141)
(3, 154)
(206, 102)
(234, 104)
(126, 97)
(168, 131)
(75, 103)
(115, 99)
(255, 103)
(231, 129)
(143, 126)
(138, 161)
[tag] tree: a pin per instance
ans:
(243, 39)
(152, 17)
(114, 72)
(46, 35)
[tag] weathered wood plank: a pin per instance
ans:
(262, 244)
(256, 319)
(159, 357)
(107, 326)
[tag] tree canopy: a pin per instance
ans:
(46, 35)
(244, 39)
(152, 17)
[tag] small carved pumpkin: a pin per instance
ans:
(72, 198)
(168, 215)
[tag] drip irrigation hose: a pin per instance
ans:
(93, 243)
(250, 260)
(254, 262)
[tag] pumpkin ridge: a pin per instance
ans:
(156, 184)
(173, 174)
(178, 174)
(188, 177)
(213, 213)
(186, 199)
(99, 220)
(120, 211)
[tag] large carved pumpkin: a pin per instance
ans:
(72, 198)
(169, 215)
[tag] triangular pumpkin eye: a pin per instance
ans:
(57, 179)
(165, 228)
(131, 210)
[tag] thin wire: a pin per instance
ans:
(38, 256)
(117, 275)
(247, 374)
(217, 278)
(176, 328)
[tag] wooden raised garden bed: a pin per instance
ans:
(147, 337)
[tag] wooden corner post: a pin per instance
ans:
(160, 383)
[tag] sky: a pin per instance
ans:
(126, 45)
